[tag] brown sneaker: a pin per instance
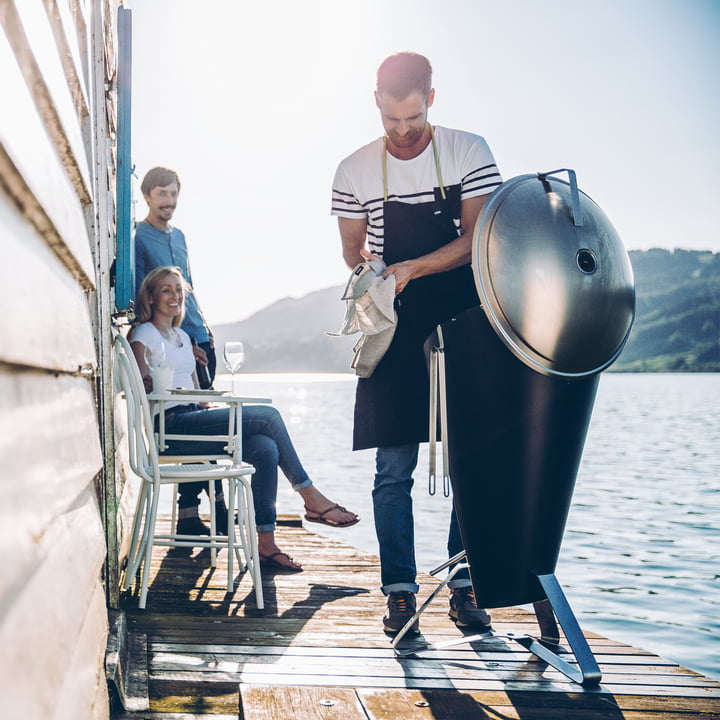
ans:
(464, 612)
(401, 607)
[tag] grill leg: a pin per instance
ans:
(547, 648)
(587, 671)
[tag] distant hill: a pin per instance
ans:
(289, 335)
(677, 324)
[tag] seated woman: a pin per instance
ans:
(265, 440)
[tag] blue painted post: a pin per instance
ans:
(124, 245)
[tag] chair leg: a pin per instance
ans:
(242, 549)
(213, 522)
(231, 491)
(247, 518)
(174, 510)
(242, 536)
(134, 558)
(150, 534)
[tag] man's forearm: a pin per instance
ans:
(453, 255)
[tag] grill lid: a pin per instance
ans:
(554, 278)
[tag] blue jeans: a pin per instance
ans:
(394, 524)
(266, 444)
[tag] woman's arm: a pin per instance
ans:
(139, 352)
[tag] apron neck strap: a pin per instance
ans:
(437, 165)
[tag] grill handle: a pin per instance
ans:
(574, 193)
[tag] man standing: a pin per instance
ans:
(157, 244)
(412, 199)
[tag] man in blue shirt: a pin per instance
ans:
(157, 244)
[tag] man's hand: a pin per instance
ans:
(200, 355)
(147, 383)
(403, 272)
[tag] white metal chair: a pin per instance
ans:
(146, 462)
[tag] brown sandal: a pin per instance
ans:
(269, 561)
(320, 518)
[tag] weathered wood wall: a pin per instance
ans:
(56, 239)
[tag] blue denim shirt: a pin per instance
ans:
(157, 248)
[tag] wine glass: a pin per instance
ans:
(161, 373)
(155, 357)
(234, 356)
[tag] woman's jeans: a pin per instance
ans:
(394, 525)
(266, 445)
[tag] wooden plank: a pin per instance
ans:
(404, 704)
(52, 327)
(324, 661)
(49, 457)
(31, 171)
(531, 673)
(43, 617)
(475, 683)
(66, 38)
(149, 715)
(78, 695)
(458, 653)
(137, 689)
(204, 698)
(101, 218)
(299, 703)
(576, 700)
(34, 42)
(421, 705)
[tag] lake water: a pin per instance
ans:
(640, 560)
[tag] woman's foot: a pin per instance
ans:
(319, 509)
(280, 561)
(327, 517)
(271, 556)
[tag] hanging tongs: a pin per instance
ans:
(438, 392)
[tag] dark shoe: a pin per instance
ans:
(464, 612)
(191, 526)
(221, 513)
(401, 607)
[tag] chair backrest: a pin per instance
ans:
(141, 442)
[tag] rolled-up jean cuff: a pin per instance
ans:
(270, 527)
(398, 587)
(301, 486)
(459, 583)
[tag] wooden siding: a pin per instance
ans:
(56, 243)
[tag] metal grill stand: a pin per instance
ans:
(586, 672)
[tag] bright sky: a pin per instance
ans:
(254, 104)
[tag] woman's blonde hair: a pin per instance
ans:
(143, 303)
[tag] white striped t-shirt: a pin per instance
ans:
(465, 161)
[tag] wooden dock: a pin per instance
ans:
(317, 652)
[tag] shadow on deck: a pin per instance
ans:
(317, 651)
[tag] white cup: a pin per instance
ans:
(162, 378)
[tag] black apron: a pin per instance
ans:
(392, 406)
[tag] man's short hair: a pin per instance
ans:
(158, 177)
(403, 73)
